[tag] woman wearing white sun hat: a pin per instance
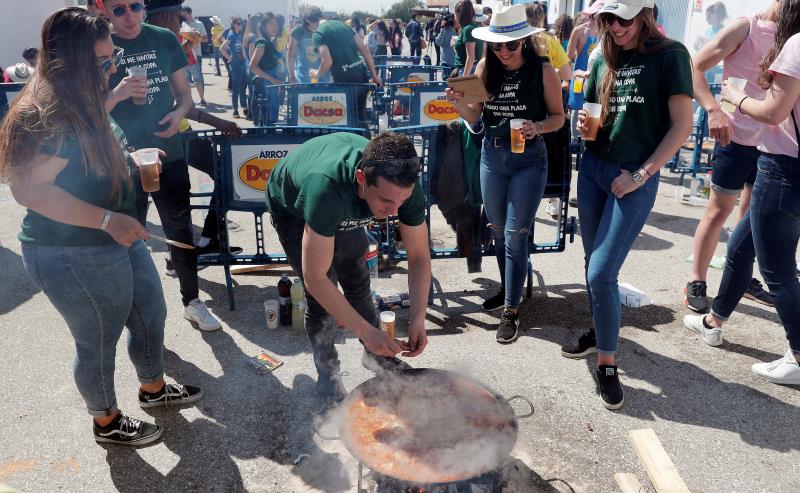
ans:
(643, 82)
(522, 85)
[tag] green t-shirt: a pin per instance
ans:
(348, 66)
(638, 118)
(76, 179)
(316, 183)
(158, 50)
(464, 37)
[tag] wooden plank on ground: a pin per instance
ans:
(629, 483)
(656, 462)
(249, 269)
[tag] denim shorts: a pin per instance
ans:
(734, 166)
(194, 73)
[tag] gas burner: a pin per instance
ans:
(490, 482)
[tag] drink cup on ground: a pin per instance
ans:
(148, 169)
(387, 323)
(271, 313)
(517, 136)
(592, 123)
(139, 71)
(738, 83)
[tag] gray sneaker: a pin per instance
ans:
(712, 337)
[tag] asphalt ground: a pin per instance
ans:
(724, 429)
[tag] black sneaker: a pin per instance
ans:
(172, 394)
(585, 345)
(508, 329)
(170, 269)
(330, 388)
(236, 114)
(608, 386)
(696, 299)
(213, 248)
(573, 202)
(380, 364)
(496, 302)
(125, 430)
(755, 291)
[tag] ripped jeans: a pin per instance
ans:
(512, 186)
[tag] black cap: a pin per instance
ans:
(157, 6)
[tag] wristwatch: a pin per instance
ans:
(637, 177)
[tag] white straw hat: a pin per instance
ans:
(19, 72)
(507, 25)
(626, 9)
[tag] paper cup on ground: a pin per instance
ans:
(271, 308)
(387, 323)
(593, 113)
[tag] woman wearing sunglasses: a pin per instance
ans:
(65, 160)
(774, 213)
(522, 85)
(643, 82)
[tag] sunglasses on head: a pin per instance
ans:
(610, 19)
(121, 10)
(510, 45)
(394, 167)
(116, 59)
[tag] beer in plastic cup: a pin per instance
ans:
(517, 136)
(592, 123)
(148, 169)
(387, 323)
(139, 71)
(738, 83)
(271, 313)
(578, 85)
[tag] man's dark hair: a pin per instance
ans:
(413, 17)
(30, 53)
(313, 14)
(378, 156)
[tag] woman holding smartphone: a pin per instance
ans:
(524, 87)
(644, 84)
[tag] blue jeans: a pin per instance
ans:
(239, 83)
(99, 290)
(775, 218)
(609, 226)
(265, 103)
(738, 270)
(512, 186)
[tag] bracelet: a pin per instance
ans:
(739, 106)
(646, 172)
(106, 220)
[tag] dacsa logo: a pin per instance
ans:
(255, 171)
(440, 109)
(322, 110)
(412, 78)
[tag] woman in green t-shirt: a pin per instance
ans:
(65, 160)
(468, 49)
(644, 85)
(523, 86)
(267, 71)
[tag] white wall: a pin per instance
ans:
(225, 9)
(22, 26)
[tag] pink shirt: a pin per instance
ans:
(744, 63)
(781, 138)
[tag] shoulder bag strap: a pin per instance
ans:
(796, 133)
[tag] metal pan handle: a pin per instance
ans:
(526, 401)
(324, 437)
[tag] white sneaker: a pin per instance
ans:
(553, 207)
(784, 371)
(712, 337)
(197, 313)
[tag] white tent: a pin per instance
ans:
(23, 28)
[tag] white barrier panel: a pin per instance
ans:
(252, 165)
(435, 110)
(322, 109)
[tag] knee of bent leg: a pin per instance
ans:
(600, 280)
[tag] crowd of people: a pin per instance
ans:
(71, 149)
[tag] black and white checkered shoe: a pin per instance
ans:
(172, 394)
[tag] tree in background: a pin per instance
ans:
(402, 9)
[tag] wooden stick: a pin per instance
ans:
(629, 483)
(656, 462)
(247, 269)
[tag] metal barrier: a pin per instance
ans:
(383, 61)
(401, 74)
(241, 170)
(697, 145)
(427, 105)
(8, 92)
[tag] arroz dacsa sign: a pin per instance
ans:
(318, 109)
(414, 77)
(436, 110)
(252, 165)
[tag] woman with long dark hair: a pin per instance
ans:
(524, 86)
(382, 36)
(774, 213)
(396, 39)
(233, 51)
(563, 29)
(644, 84)
(267, 71)
(468, 49)
(65, 160)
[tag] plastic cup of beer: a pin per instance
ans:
(387, 323)
(148, 169)
(738, 83)
(578, 85)
(517, 136)
(592, 123)
(139, 71)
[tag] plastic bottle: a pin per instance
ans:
(371, 255)
(706, 192)
(285, 300)
(298, 305)
(629, 295)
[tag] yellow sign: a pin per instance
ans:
(255, 171)
(440, 110)
(322, 110)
